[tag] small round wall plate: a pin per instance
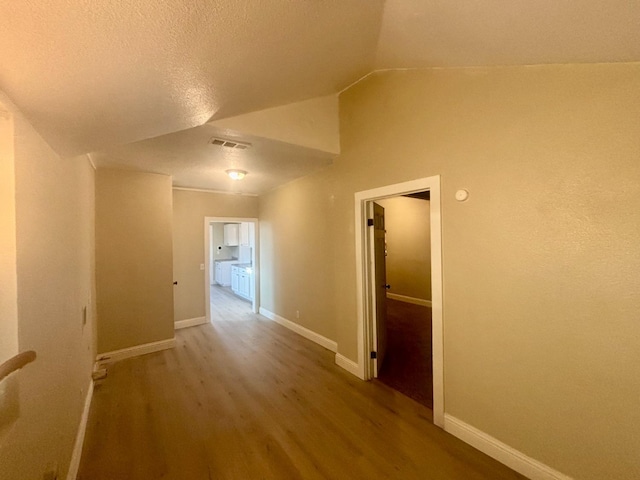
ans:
(462, 195)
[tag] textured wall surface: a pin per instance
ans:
(189, 210)
(8, 279)
(540, 265)
(312, 123)
(133, 259)
(408, 246)
(55, 277)
(296, 253)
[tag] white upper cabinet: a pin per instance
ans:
(244, 234)
(231, 234)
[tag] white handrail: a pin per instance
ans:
(16, 363)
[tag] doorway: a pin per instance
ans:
(231, 272)
(371, 328)
(407, 365)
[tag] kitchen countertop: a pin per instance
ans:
(243, 266)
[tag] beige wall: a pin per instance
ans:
(189, 210)
(408, 246)
(311, 123)
(54, 206)
(296, 253)
(8, 279)
(540, 265)
(133, 258)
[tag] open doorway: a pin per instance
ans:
(231, 268)
(407, 365)
(373, 333)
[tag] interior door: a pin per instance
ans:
(378, 284)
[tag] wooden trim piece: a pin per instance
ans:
(406, 299)
(116, 355)
(300, 330)
(189, 322)
(503, 453)
(16, 363)
(348, 364)
(74, 465)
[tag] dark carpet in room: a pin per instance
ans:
(408, 365)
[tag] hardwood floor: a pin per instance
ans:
(245, 398)
(227, 306)
(408, 365)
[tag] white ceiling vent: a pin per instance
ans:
(221, 142)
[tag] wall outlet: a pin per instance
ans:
(202, 266)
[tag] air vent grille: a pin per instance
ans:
(221, 142)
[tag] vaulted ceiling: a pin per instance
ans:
(91, 76)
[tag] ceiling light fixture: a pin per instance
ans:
(236, 174)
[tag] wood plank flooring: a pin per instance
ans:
(408, 365)
(227, 306)
(245, 398)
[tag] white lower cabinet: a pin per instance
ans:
(235, 275)
(223, 272)
(241, 283)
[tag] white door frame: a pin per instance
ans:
(365, 326)
(254, 260)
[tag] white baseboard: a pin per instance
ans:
(505, 454)
(404, 298)
(300, 330)
(189, 322)
(74, 465)
(349, 365)
(116, 355)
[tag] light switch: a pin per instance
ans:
(202, 266)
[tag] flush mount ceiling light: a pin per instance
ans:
(236, 174)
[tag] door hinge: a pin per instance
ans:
(374, 355)
(369, 222)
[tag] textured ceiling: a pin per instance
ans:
(92, 75)
(460, 33)
(192, 162)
